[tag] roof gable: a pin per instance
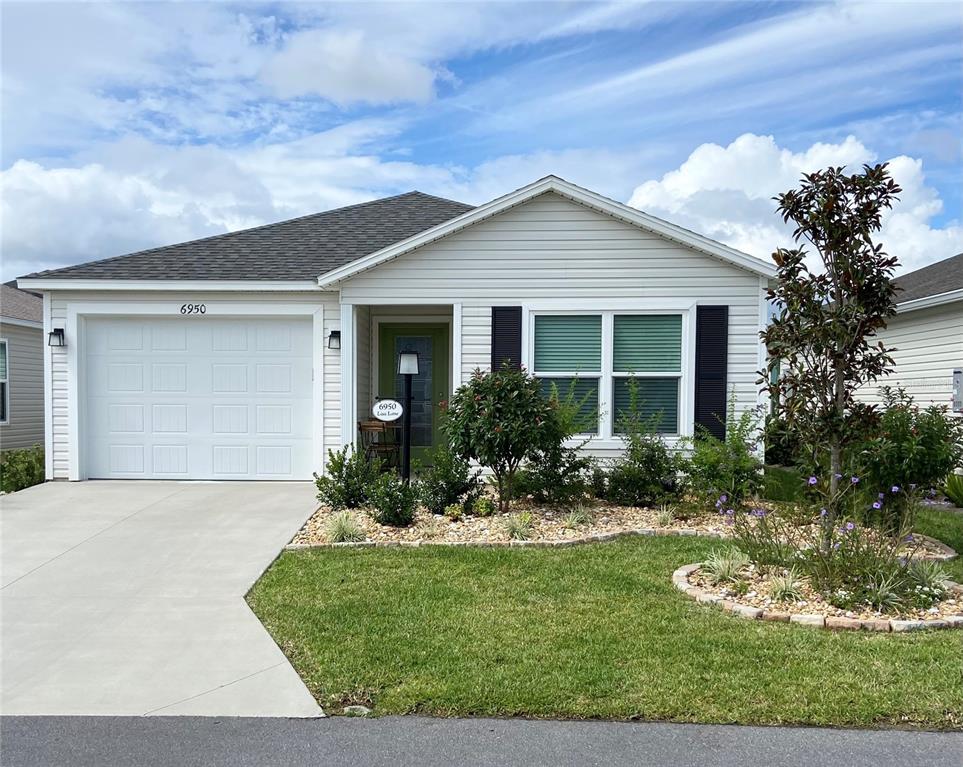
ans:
(566, 190)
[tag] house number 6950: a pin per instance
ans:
(193, 309)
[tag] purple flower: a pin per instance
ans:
(854, 480)
(812, 480)
(724, 498)
(836, 545)
(759, 513)
(909, 538)
(822, 512)
(729, 512)
(838, 476)
(718, 504)
(894, 489)
(881, 496)
(877, 505)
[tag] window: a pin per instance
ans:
(604, 356)
(4, 386)
(647, 355)
(568, 356)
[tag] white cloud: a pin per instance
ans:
(346, 68)
(726, 193)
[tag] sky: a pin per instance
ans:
(131, 125)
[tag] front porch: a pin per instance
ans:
(372, 337)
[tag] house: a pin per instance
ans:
(927, 337)
(249, 355)
(21, 369)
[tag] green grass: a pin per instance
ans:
(585, 632)
(946, 526)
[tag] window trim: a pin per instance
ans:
(606, 437)
(5, 380)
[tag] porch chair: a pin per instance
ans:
(380, 439)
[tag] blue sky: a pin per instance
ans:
(130, 125)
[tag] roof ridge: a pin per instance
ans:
(259, 227)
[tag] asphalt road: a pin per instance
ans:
(107, 741)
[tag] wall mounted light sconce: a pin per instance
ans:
(334, 339)
(56, 337)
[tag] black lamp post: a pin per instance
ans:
(407, 367)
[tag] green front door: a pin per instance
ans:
(428, 389)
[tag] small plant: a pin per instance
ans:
(786, 587)
(483, 507)
(725, 565)
(666, 515)
(927, 578)
(740, 588)
(954, 489)
(448, 479)
(348, 479)
(343, 527)
(393, 501)
(883, 592)
(454, 511)
(20, 469)
(577, 517)
(519, 526)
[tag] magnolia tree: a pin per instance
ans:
(824, 329)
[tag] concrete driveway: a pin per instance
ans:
(127, 598)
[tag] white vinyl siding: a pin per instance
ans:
(928, 347)
(24, 376)
(552, 253)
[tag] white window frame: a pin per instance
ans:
(607, 438)
(6, 381)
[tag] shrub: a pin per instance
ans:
(21, 468)
(953, 489)
(727, 467)
(393, 501)
(343, 527)
(912, 448)
(483, 507)
(786, 587)
(598, 481)
(782, 444)
(348, 479)
(500, 419)
(519, 527)
(454, 511)
(725, 565)
(648, 473)
(448, 479)
(558, 473)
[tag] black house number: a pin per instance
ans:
(193, 309)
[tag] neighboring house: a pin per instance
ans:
(927, 336)
(249, 355)
(21, 369)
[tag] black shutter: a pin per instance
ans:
(506, 336)
(712, 356)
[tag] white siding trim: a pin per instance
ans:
(349, 359)
(456, 345)
(928, 301)
(48, 430)
(21, 323)
(77, 311)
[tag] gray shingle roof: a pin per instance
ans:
(299, 249)
(20, 305)
(941, 277)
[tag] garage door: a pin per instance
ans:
(198, 398)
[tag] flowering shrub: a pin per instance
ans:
(501, 419)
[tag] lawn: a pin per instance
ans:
(585, 632)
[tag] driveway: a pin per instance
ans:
(127, 598)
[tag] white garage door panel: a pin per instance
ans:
(198, 398)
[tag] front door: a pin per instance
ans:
(428, 389)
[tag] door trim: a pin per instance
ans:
(78, 311)
(413, 319)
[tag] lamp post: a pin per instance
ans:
(407, 367)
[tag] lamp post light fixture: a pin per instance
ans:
(334, 339)
(407, 367)
(56, 337)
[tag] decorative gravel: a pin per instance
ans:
(812, 609)
(548, 527)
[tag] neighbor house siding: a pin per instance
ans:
(24, 426)
(928, 346)
(60, 302)
(551, 250)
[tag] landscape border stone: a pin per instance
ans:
(680, 579)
